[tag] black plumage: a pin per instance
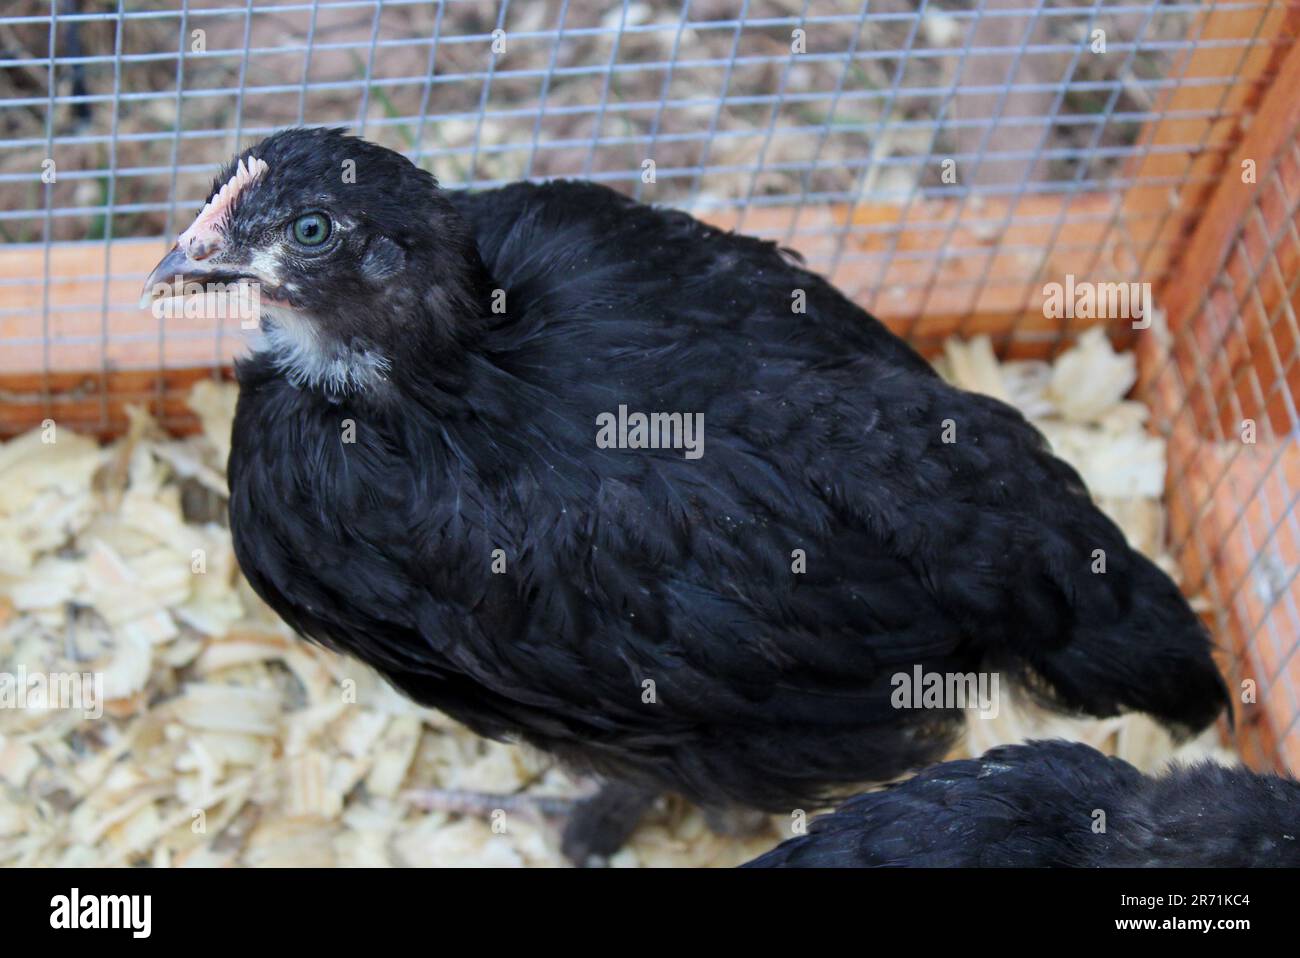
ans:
(1058, 804)
(472, 340)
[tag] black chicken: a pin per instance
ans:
(1058, 804)
(421, 476)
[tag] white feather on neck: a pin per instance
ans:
(295, 348)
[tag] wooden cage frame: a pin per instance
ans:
(1193, 235)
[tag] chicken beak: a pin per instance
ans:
(171, 275)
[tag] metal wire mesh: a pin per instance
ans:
(799, 143)
(1226, 397)
(940, 161)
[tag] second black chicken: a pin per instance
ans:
(423, 475)
(1058, 805)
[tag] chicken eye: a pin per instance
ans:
(312, 229)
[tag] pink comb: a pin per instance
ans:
(203, 236)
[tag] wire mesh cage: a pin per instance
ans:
(943, 163)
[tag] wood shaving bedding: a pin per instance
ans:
(225, 740)
(1078, 404)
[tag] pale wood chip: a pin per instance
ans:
(397, 749)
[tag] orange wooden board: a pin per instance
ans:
(79, 346)
(1205, 118)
